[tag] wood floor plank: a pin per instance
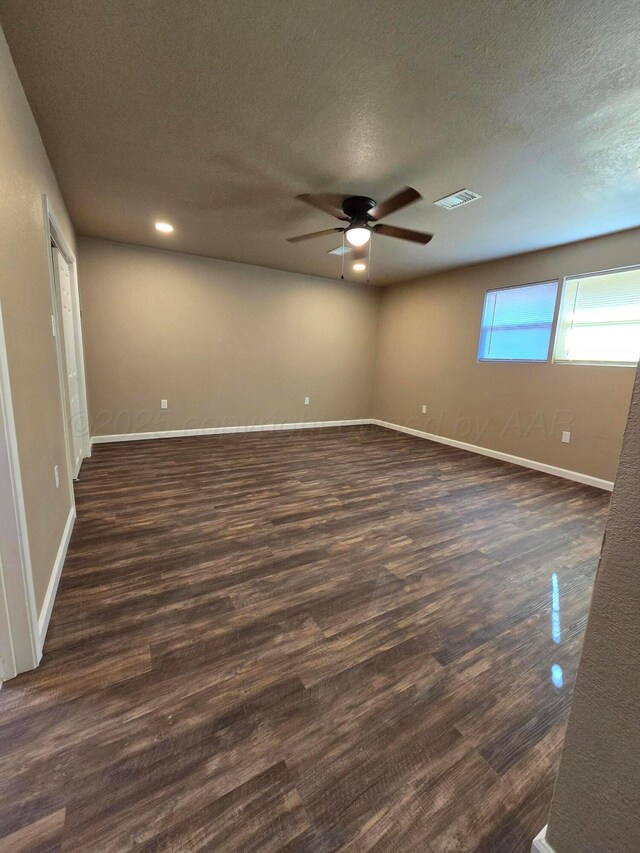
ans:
(37, 837)
(315, 640)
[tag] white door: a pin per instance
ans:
(63, 280)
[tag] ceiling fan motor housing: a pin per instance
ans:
(357, 208)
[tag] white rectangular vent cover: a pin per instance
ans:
(449, 202)
(339, 250)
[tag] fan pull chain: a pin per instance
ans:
(369, 261)
(342, 276)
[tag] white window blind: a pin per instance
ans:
(599, 320)
(517, 322)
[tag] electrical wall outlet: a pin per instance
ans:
(306, 401)
(56, 475)
(163, 404)
(424, 410)
(566, 437)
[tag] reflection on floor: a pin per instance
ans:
(309, 641)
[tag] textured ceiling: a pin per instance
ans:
(214, 114)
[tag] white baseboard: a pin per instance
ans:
(576, 476)
(540, 844)
(181, 433)
(47, 606)
(587, 479)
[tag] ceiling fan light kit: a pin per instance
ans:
(358, 235)
(360, 212)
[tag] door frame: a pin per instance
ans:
(53, 234)
(20, 647)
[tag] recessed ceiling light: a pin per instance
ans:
(359, 266)
(164, 227)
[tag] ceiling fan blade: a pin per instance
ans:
(406, 196)
(403, 233)
(330, 203)
(313, 234)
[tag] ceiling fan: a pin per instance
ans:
(361, 212)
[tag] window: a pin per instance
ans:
(517, 323)
(599, 320)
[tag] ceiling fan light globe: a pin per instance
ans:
(358, 236)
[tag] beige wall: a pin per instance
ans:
(25, 297)
(427, 354)
(224, 343)
(596, 800)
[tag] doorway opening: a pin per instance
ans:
(20, 647)
(22, 629)
(67, 328)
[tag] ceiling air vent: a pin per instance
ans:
(340, 250)
(449, 202)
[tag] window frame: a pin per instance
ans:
(559, 282)
(561, 301)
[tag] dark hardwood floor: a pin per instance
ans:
(308, 641)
